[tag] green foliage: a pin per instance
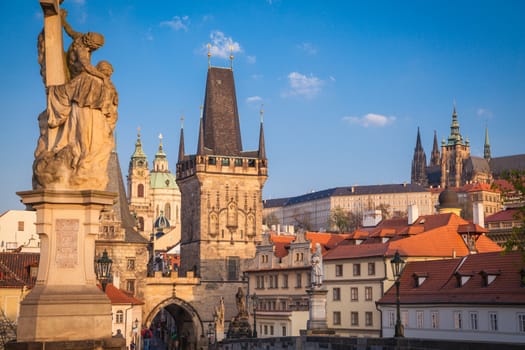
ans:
(339, 220)
(517, 239)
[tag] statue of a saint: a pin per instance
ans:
(76, 129)
(241, 302)
(317, 267)
(219, 314)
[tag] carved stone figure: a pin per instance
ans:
(241, 302)
(76, 129)
(219, 314)
(317, 267)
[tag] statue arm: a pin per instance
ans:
(67, 27)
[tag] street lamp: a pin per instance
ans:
(254, 300)
(103, 269)
(398, 265)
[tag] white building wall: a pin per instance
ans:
(507, 319)
(13, 234)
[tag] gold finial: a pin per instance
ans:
(231, 57)
(261, 112)
(160, 137)
(201, 107)
(138, 132)
(209, 55)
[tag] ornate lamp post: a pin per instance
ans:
(103, 269)
(254, 300)
(398, 265)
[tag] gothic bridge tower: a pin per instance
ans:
(221, 191)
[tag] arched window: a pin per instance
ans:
(119, 317)
(167, 211)
(140, 191)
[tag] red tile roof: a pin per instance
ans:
(15, 269)
(504, 215)
(441, 284)
(327, 240)
(356, 251)
(119, 297)
(474, 187)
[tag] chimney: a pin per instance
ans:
(371, 218)
(413, 213)
(478, 216)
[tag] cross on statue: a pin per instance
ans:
(53, 47)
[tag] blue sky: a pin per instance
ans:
(344, 84)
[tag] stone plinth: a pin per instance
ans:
(317, 320)
(105, 344)
(66, 304)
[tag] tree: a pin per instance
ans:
(339, 219)
(516, 178)
(385, 210)
(355, 220)
(302, 220)
(270, 220)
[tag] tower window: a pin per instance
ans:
(233, 267)
(140, 191)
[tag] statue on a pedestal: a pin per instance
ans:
(317, 267)
(76, 128)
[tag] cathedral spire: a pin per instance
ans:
(200, 144)
(181, 141)
(419, 163)
(262, 149)
(138, 158)
(455, 136)
(434, 159)
(486, 150)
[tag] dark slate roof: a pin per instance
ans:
(499, 165)
(15, 269)
(222, 134)
(477, 164)
(356, 191)
(275, 203)
(121, 208)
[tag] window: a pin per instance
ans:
(354, 294)
(284, 331)
(119, 316)
(493, 321)
(337, 317)
(368, 318)
(404, 318)
(131, 264)
(265, 329)
(458, 322)
(283, 305)
(130, 286)
(140, 191)
(337, 294)
(20, 226)
(260, 282)
(419, 319)
(238, 161)
(521, 323)
(285, 281)
(354, 318)
(357, 269)
(474, 320)
(298, 281)
(225, 161)
(338, 270)
(368, 293)
(434, 319)
(371, 269)
(391, 319)
(233, 264)
(271, 330)
(212, 161)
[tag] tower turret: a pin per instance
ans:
(419, 163)
(486, 148)
(434, 159)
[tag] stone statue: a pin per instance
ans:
(241, 302)
(317, 267)
(219, 314)
(76, 128)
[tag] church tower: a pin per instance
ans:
(138, 186)
(221, 190)
(419, 164)
(486, 148)
(453, 153)
(434, 158)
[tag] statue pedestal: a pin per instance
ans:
(317, 319)
(66, 304)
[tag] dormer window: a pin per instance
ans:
(462, 279)
(488, 277)
(419, 278)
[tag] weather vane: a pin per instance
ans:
(209, 55)
(231, 57)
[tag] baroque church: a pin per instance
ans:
(454, 166)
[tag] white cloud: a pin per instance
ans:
(302, 85)
(371, 119)
(308, 48)
(251, 59)
(254, 99)
(177, 23)
(484, 113)
(222, 46)
(256, 76)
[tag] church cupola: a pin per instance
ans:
(160, 163)
(138, 158)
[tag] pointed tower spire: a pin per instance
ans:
(181, 141)
(200, 145)
(160, 163)
(455, 136)
(138, 158)
(262, 149)
(419, 164)
(486, 150)
(434, 158)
